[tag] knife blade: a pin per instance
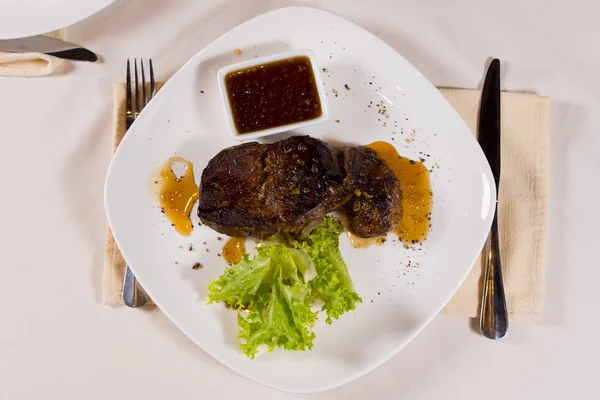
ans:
(489, 119)
(47, 45)
(494, 315)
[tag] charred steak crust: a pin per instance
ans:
(374, 208)
(262, 189)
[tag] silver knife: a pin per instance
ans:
(494, 316)
(47, 45)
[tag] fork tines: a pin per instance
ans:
(132, 110)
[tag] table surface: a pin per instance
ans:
(57, 339)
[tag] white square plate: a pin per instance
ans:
(402, 289)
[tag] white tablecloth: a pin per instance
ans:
(57, 341)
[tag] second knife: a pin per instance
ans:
(47, 45)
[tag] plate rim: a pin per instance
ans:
(50, 27)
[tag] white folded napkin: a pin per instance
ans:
(31, 64)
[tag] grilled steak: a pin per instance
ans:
(262, 189)
(374, 208)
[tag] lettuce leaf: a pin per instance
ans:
(273, 291)
(333, 283)
(285, 323)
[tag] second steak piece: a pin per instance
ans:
(262, 189)
(374, 208)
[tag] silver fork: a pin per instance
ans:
(133, 293)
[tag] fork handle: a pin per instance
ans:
(494, 316)
(133, 294)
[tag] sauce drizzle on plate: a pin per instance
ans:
(176, 195)
(417, 198)
(362, 243)
(233, 250)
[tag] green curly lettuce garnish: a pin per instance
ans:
(273, 291)
(333, 283)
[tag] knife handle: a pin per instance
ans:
(494, 316)
(133, 294)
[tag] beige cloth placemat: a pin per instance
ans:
(523, 204)
(114, 263)
(31, 64)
